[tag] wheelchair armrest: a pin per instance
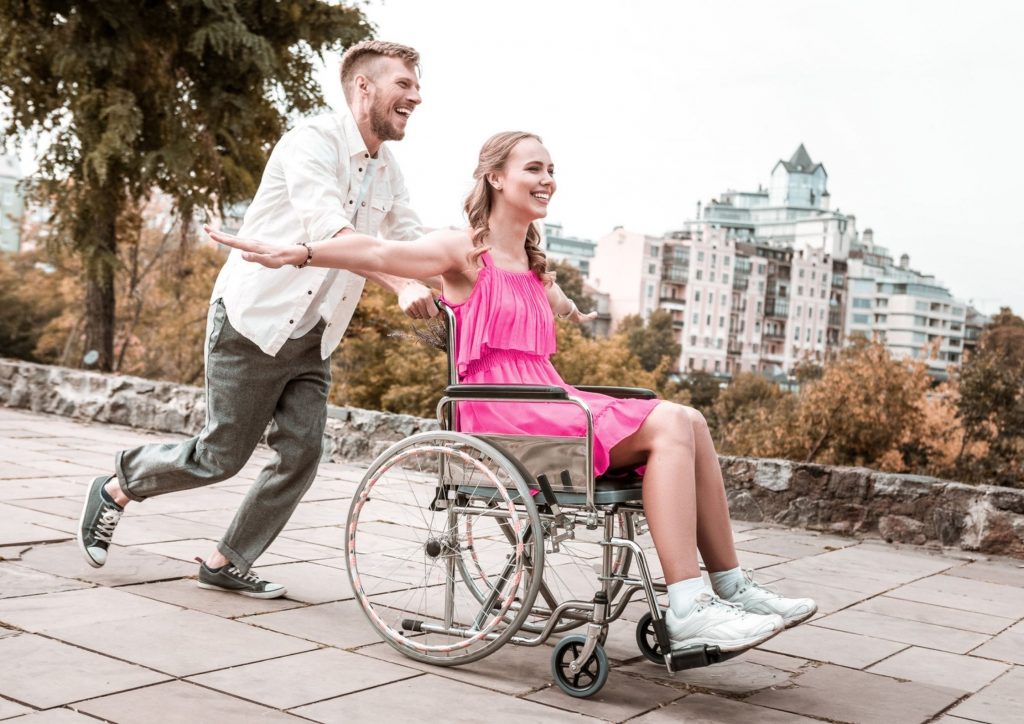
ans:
(620, 392)
(506, 392)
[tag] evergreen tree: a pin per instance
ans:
(122, 97)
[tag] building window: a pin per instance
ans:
(796, 334)
(725, 261)
(696, 318)
(810, 313)
(808, 334)
(714, 258)
(862, 303)
(718, 366)
(693, 343)
(819, 336)
(700, 275)
(709, 320)
(860, 319)
(800, 291)
(650, 291)
(690, 363)
(721, 322)
(725, 279)
(696, 296)
(711, 277)
(652, 269)
(700, 256)
(760, 268)
(801, 275)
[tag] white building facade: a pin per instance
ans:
(763, 280)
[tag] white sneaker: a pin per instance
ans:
(755, 598)
(716, 623)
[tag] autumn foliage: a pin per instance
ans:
(861, 408)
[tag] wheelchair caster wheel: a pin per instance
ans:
(591, 676)
(647, 640)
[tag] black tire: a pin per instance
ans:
(591, 677)
(647, 640)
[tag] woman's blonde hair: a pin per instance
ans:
(480, 201)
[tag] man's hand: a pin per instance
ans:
(417, 301)
(266, 255)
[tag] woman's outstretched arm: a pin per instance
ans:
(433, 255)
(566, 308)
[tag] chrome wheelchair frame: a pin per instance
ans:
(448, 534)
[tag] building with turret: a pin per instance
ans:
(761, 280)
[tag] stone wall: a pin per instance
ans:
(902, 508)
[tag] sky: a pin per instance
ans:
(650, 106)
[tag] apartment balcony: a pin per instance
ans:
(675, 274)
(776, 307)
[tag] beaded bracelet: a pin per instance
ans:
(309, 255)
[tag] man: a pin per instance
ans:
(270, 333)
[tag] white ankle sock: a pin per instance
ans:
(726, 583)
(682, 594)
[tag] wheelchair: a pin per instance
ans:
(460, 543)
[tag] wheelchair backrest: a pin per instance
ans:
(561, 459)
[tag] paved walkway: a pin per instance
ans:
(903, 634)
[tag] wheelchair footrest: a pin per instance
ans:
(694, 657)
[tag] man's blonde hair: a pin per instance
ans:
(361, 57)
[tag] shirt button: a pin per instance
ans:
(310, 291)
(360, 169)
(344, 299)
(350, 201)
(363, 203)
(291, 321)
(366, 155)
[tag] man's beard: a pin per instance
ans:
(381, 126)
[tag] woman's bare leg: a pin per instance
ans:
(666, 442)
(714, 530)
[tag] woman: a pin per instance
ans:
(495, 278)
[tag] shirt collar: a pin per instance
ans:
(357, 145)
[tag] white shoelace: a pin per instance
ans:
(250, 576)
(106, 524)
(706, 599)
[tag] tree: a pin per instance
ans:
(860, 408)
(991, 404)
(125, 96)
(652, 343)
(383, 364)
(570, 280)
(755, 418)
(31, 296)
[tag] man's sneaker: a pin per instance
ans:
(716, 623)
(229, 578)
(97, 522)
(755, 598)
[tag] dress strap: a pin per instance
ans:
(485, 258)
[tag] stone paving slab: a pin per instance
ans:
(903, 634)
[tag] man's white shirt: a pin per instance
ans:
(309, 192)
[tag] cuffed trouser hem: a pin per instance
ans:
(122, 481)
(237, 559)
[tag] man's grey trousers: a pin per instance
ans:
(245, 390)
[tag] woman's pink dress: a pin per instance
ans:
(506, 335)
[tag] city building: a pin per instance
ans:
(12, 204)
(763, 280)
(570, 249)
(909, 312)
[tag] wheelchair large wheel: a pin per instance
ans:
(572, 573)
(406, 546)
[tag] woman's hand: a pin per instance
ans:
(267, 255)
(578, 317)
